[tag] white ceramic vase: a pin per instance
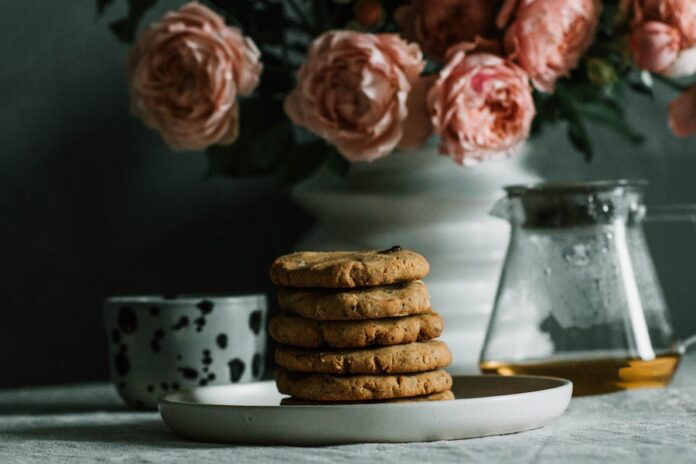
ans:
(424, 202)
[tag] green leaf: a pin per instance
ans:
(264, 136)
(125, 28)
(610, 115)
(578, 136)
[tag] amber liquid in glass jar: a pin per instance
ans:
(596, 376)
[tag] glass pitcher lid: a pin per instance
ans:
(558, 204)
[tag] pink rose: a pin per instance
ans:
(352, 91)
(680, 14)
(655, 46)
(185, 74)
(481, 106)
(438, 24)
(682, 113)
(548, 37)
(676, 58)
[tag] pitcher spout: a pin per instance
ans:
(501, 209)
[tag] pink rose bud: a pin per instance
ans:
(680, 14)
(482, 106)
(682, 113)
(438, 24)
(680, 17)
(548, 37)
(352, 90)
(186, 72)
(655, 46)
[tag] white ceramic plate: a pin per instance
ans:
(250, 413)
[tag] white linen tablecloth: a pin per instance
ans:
(88, 423)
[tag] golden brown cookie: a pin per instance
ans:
(298, 331)
(326, 387)
(401, 299)
(348, 269)
(396, 359)
(444, 396)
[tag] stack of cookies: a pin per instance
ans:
(357, 327)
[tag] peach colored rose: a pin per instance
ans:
(481, 106)
(655, 46)
(186, 72)
(677, 16)
(438, 24)
(682, 113)
(352, 91)
(548, 37)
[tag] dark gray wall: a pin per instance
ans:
(93, 204)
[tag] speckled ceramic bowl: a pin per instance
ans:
(159, 344)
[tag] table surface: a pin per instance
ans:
(88, 423)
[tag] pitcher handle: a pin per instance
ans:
(672, 213)
(675, 213)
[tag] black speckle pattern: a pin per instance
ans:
(257, 365)
(164, 386)
(200, 322)
(221, 341)
(181, 323)
(154, 311)
(156, 340)
(255, 321)
(127, 320)
(175, 386)
(207, 359)
(203, 382)
(211, 376)
(189, 372)
(122, 364)
(236, 369)
(206, 307)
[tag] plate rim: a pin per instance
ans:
(165, 400)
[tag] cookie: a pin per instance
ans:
(348, 269)
(397, 359)
(360, 303)
(444, 396)
(326, 387)
(294, 330)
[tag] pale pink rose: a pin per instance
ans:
(655, 46)
(547, 38)
(352, 91)
(438, 24)
(680, 16)
(682, 113)
(481, 106)
(186, 72)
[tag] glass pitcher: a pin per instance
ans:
(579, 297)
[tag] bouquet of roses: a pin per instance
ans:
(287, 85)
